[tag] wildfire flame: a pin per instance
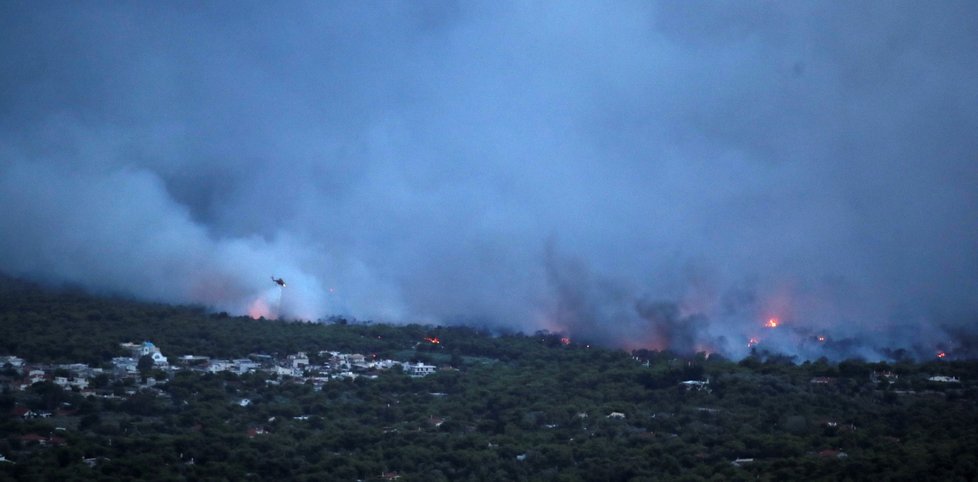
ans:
(565, 340)
(772, 323)
(941, 355)
(752, 342)
(432, 340)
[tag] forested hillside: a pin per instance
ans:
(499, 407)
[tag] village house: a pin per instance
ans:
(75, 382)
(36, 375)
(696, 384)
(124, 365)
(24, 413)
(299, 361)
(193, 361)
(13, 361)
(263, 360)
(883, 376)
(419, 369)
(944, 379)
(147, 348)
(216, 366)
(80, 369)
(357, 360)
(244, 365)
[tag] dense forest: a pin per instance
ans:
(500, 407)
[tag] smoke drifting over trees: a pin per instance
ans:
(665, 175)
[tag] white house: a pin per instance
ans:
(124, 364)
(286, 371)
(144, 349)
(14, 361)
(419, 369)
(36, 376)
(244, 365)
(159, 360)
(299, 360)
(218, 366)
(944, 379)
(697, 384)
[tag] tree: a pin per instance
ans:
(145, 366)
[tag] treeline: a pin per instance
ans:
(519, 407)
(68, 326)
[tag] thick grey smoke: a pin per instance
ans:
(666, 175)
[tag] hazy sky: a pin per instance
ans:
(635, 173)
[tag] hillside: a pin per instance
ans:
(510, 407)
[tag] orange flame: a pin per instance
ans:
(772, 323)
(432, 340)
(941, 355)
(565, 340)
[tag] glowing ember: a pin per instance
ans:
(565, 340)
(752, 342)
(432, 340)
(941, 355)
(821, 338)
(772, 323)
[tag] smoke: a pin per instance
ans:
(665, 175)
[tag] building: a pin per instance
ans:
(219, 366)
(124, 365)
(696, 384)
(15, 362)
(244, 365)
(192, 361)
(147, 348)
(419, 369)
(299, 360)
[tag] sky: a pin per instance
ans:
(634, 174)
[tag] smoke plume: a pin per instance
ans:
(663, 175)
